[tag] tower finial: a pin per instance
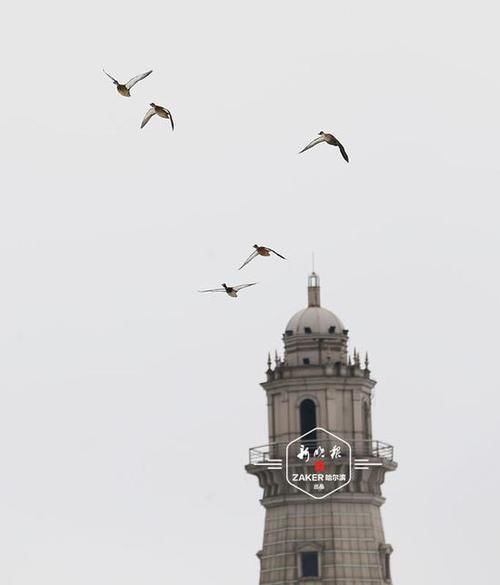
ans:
(269, 360)
(367, 363)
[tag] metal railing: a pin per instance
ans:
(359, 448)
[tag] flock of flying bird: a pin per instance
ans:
(124, 90)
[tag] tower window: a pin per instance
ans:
(309, 565)
(288, 332)
(308, 420)
(306, 361)
(366, 420)
(331, 330)
(307, 330)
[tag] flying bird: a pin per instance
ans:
(329, 139)
(124, 88)
(260, 251)
(159, 111)
(232, 291)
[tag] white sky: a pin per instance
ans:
(116, 376)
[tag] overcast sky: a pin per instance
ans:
(117, 377)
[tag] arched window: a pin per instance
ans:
(308, 419)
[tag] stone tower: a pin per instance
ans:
(338, 539)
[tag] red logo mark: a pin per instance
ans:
(319, 466)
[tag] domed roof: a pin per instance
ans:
(314, 320)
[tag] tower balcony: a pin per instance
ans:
(368, 462)
(371, 449)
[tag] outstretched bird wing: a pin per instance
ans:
(343, 152)
(213, 290)
(249, 259)
(274, 252)
(149, 114)
(137, 78)
(313, 143)
(110, 76)
(240, 286)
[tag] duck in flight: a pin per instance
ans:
(124, 88)
(159, 111)
(329, 139)
(232, 291)
(260, 251)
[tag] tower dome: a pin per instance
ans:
(315, 335)
(314, 320)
